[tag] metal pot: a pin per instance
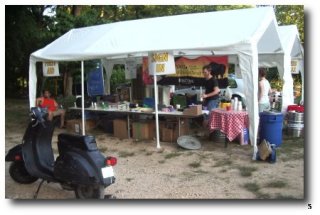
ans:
(296, 130)
(295, 124)
(295, 117)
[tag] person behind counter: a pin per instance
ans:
(211, 95)
(47, 102)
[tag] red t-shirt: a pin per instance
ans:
(49, 103)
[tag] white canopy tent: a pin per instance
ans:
(245, 33)
(293, 50)
(289, 37)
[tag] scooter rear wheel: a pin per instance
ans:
(19, 173)
(89, 191)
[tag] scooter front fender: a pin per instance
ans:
(14, 153)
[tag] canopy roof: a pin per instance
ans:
(212, 31)
(289, 37)
(291, 44)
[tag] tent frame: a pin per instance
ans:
(254, 31)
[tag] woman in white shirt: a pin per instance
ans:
(263, 91)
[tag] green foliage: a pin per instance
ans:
(291, 15)
(253, 187)
(172, 155)
(277, 184)
(274, 78)
(246, 171)
(297, 81)
(66, 102)
(25, 27)
(125, 154)
(117, 77)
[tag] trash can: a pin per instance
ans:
(271, 127)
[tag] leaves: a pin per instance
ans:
(291, 15)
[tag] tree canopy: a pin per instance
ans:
(29, 28)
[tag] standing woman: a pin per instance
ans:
(211, 95)
(263, 91)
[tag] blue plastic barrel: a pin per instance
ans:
(271, 127)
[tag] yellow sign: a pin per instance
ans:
(50, 68)
(161, 63)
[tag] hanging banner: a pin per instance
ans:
(146, 78)
(95, 82)
(50, 69)
(189, 71)
(186, 67)
(161, 63)
(131, 69)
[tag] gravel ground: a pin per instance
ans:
(145, 172)
(213, 172)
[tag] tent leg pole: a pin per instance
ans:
(179, 123)
(82, 98)
(128, 127)
(156, 109)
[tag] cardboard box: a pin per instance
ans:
(143, 130)
(193, 110)
(169, 131)
(120, 128)
(168, 135)
(106, 124)
(75, 125)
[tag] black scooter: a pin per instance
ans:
(80, 166)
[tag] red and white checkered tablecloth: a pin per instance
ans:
(230, 123)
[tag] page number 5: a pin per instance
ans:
(309, 206)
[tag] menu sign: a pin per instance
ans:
(131, 69)
(161, 63)
(50, 69)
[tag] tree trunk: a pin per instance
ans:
(76, 10)
(69, 86)
(67, 83)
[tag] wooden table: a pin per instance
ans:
(176, 114)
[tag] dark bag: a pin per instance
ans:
(87, 102)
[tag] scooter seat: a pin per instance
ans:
(87, 142)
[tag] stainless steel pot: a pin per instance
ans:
(295, 117)
(295, 124)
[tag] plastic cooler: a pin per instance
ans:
(297, 108)
(271, 127)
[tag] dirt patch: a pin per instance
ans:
(145, 172)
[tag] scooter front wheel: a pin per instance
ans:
(19, 173)
(89, 191)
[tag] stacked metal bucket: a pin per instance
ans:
(295, 123)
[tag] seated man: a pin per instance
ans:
(47, 102)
